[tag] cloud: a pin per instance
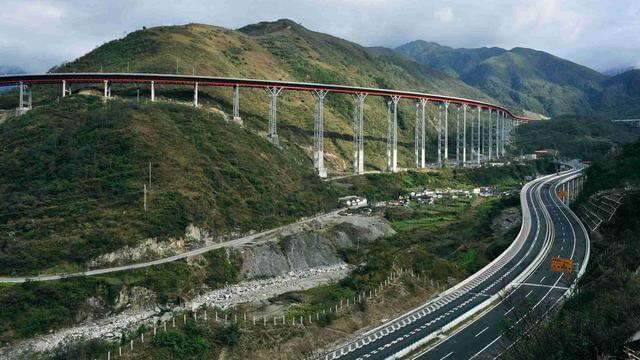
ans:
(550, 18)
(38, 34)
(444, 15)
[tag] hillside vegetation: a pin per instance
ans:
(583, 137)
(283, 50)
(71, 184)
(534, 80)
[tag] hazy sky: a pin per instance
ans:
(36, 35)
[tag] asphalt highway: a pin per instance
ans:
(496, 330)
(548, 229)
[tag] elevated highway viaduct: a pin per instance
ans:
(489, 125)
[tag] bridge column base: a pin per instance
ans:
(238, 120)
(322, 172)
(273, 138)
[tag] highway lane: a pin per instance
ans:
(534, 297)
(428, 319)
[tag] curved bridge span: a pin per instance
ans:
(490, 123)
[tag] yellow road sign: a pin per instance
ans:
(559, 264)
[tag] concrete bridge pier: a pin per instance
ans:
(153, 91)
(65, 90)
(464, 134)
(24, 103)
(422, 138)
(392, 137)
(236, 105)
(490, 137)
(458, 137)
(472, 145)
(497, 135)
(358, 133)
(107, 89)
(272, 133)
(195, 95)
(446, 132)
(439, 132)
(318, 133)
(479, 137)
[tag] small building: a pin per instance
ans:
(352, 201)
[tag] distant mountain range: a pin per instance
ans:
(6, 70)
(534, 80)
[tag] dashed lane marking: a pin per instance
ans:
(483, 330)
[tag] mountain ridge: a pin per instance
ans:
(528, 78)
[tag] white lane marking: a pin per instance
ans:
(483, 330)
(510, 310)
(446, 356)
(562, 248)
(541, 280)
(547, 286)
(529, 293)
(486, 347)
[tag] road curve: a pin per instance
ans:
(489, 335)
(515, 268)
(186, 254)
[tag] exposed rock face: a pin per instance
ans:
(136, 298)
(315, 246)
(153, 248)
(94, 308)
(265, 260)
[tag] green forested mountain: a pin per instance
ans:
(533, 80)
(283, 50)
(621, 95)
(454, 61)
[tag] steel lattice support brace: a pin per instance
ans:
(464, 134)
(272, 133)
(358, 133)
(446, 131)
(236, 103)
(392, 137)
(318, 133)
